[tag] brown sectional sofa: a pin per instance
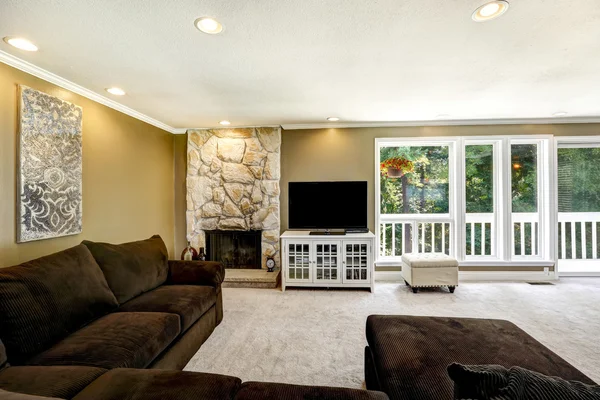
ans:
(74, 308)
(103, 321)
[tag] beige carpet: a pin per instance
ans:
(317, 337)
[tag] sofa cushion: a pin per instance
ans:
(516, 383)
(132, 268)
(281, 391)
(204, 273)
(4, 395)
(409, 353)
(54, 381)
(189, 302)
(134, 384)
(118, 340)
(45, 300)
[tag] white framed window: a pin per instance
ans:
(578, 205)
(416, 206)
(484, 200)
(482, 194)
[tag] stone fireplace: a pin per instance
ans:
(235, 249)
(233, 185)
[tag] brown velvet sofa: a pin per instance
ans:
(103, 321)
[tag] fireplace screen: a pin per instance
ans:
(235, 249)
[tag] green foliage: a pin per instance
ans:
(579, 180)
(425, 189)
(479, 175)
(524, 178)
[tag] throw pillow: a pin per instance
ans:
(494, 382)
(132, 268)
(44, 300)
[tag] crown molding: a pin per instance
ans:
(41, 73)
(457, 122)
(184, 130)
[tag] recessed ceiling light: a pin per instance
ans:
(560, 114)
(225, 122)
(490, 10)
(333, 119)
(21, 43)
(116, 91)
(208, 25)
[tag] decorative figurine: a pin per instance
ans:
(270, 264)
(201, 255)
(189, 253)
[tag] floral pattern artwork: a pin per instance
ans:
(50, 170)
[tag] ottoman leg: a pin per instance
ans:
(415, 290)
(451, 288)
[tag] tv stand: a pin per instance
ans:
(332, 232)
(327, 260)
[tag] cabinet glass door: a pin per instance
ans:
(298, 262)
(327, 262)
(356, 262)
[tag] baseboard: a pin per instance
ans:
(388, 276)
(511, 276)
(578, 274)
(478, 276)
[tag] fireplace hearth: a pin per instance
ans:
(235, 249)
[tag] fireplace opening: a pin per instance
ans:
(235, 249)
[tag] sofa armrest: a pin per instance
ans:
(204, 273)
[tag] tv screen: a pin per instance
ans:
(327, 205)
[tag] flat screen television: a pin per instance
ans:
(328, 205)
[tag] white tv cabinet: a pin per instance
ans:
(327, 260)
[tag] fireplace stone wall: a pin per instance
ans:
(233, 184)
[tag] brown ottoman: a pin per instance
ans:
(407, 356)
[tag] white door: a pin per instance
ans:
(327, 261)
(299, 261)
(578, 208)
(356, 262)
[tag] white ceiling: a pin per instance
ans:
(299, 61)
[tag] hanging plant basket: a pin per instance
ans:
(396, 167)
(395, 173)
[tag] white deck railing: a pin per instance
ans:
(524, 225)
(578, 235)
(401, 235)
(482, 222)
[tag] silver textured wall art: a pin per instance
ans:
(49, 176)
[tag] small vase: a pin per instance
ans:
(394, 173)
(189, 253)
(201, 256)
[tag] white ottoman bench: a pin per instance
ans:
(429, 270)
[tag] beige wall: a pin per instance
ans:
(349, 154)
(180, 160)
(127, 175)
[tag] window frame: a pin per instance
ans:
(497, 243)
(503, 201)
